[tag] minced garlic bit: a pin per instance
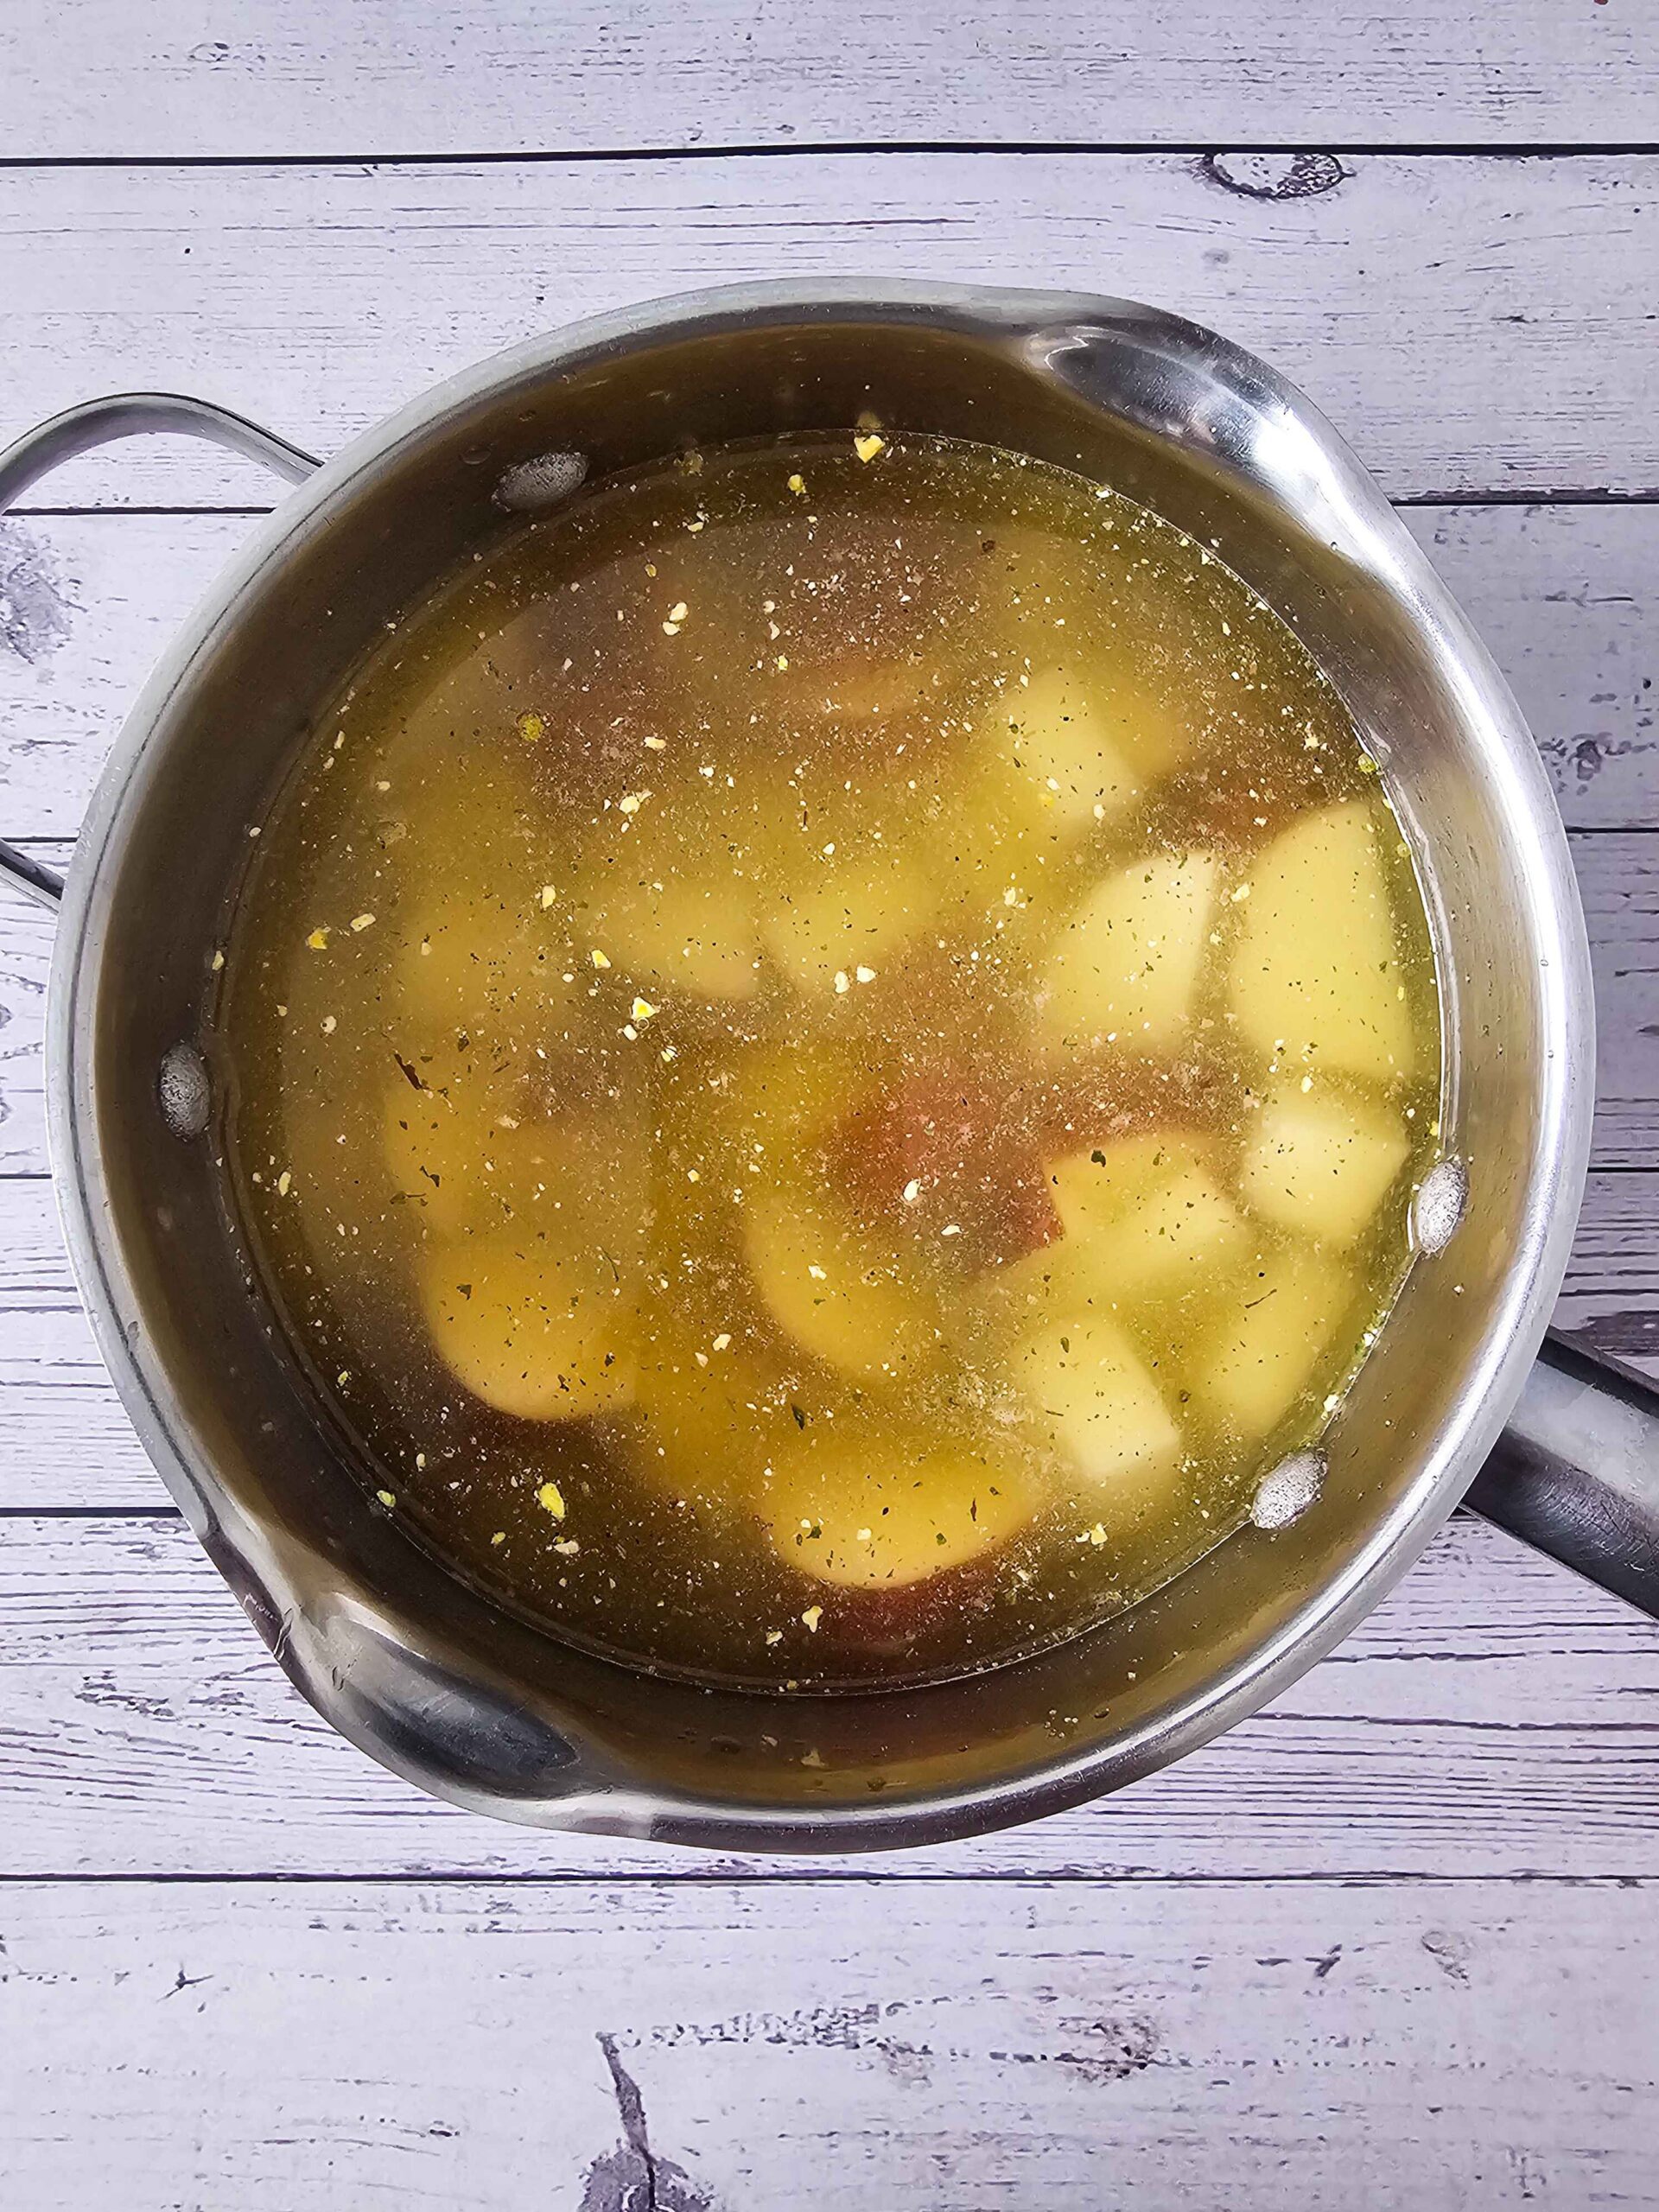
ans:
(1097, 1534)
(722, 1340)
(812, 1617)
(797, 485)
(219, 960)
(361, 921)
(550, 1498)
(867, 444)
(678, 612)
(567, 1547)
(387, 1497)
(642, 1009)
(656, 745)
(329, 1025)
(774, 1635)
(912, 1191)
(843, 983)
(531, 726)
(865, 975)
(631, 801)
(317, 940)
(548, 895)
(283, 1181)
(500, 1537)
(599, 959)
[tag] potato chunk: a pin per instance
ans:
(834, 922)
(1064, 752)
(1262, 1352)
(1315, 976)
(1128, 963)
(454, 1161)
(1149, 1214)
(881, 1512)
(707, 1425)
(835, 1294)
(699, 934)
(1320, 1165)
(536, 1329)
(491, 962)
(1088, 1388)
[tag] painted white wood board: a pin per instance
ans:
(1495, 1715)
(241, 77)
(1471, 325)
(1567, 598)
(1176, 2047)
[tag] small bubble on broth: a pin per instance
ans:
(838, 1043)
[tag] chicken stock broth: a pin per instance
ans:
(828, 1053)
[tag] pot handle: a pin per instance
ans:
(97, 422)
(1576, 1472)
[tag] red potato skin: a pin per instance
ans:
(868, 1631)
(963, 1145)
(976, 1146)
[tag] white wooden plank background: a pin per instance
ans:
(240, 77)
(782, 2043)
(1473, 325)
(1390, 1943)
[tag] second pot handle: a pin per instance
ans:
(1576, 1472)
(98, 423)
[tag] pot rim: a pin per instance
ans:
(1508, 1342)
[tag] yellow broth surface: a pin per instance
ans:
(828, 1052)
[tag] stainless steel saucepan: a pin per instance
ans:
(424, 1673)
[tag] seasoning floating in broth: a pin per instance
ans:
(830, 1050)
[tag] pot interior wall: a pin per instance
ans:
(396, 1650)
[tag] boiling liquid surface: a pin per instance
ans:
(828, 1053)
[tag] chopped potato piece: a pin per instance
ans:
(536, 1331)
(828, 926)
(1145, 1217)
(483, 960)
(1127, 964)
(1089, 1387)
(1315, 974)
(1063, 747)
(707, 1416)
(880, 1512)
(456, 1163)
(837, 1299)
(1093, 1187)
(1320, 1164)
(1262, 1353)
(1174, 1236)
(694, 933)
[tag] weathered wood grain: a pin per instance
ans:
(1618, 875)
(67, 1443)
(1497, 1713)
(1472, 325)
(1568, 598)
(473, 77)
(780, 2045)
